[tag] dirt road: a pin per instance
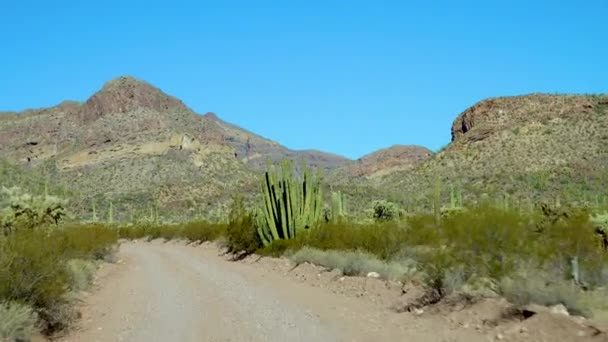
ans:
(173, 292)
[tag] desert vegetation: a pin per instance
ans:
(515, 206)
(540, 253)
(44, 263)
(545, 254)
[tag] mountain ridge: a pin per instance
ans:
(134, 146)
(131, 144)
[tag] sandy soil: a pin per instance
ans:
(174, 292)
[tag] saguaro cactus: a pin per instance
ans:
(290, 202)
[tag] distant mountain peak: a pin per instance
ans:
(124, 94)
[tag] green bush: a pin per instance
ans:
(34, 267)
(90, 241)
(35, 272)
(22, 210)
(241, 234)
(488, 241)
(201, 231)
(383, 211)
(17, 322)
(384, 240)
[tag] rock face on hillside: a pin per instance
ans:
(492, 115)
(527, 148)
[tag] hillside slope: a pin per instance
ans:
(529, 148)
(135, 146)
(383, 162)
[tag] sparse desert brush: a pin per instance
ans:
(81, 273)
(534, 289)
(17, 321)
(356, 263)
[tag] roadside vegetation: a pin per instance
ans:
(44, 263)
(543, 253)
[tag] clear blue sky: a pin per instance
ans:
(342, 76)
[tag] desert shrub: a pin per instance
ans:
(81, 273)
(241, 234)
(196, 231)
(575, 237)
(487, 241)
(356, 263)
(148, 231)
(384, 240)
(22, 210)
(35, 272)
(383, 211)
(90, 241)
(17, 321)
(280, 247)
(600, 222)
(132, 232)
(34, 267)
(533, 289)
(201, 231)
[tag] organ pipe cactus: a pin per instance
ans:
(290, 202)
(338, 210)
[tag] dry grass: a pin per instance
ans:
(17, 322)
(356, 263)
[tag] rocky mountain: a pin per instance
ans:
(530, 148)
(133, 145)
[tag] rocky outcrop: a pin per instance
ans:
(492, 115)
(125, 94)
